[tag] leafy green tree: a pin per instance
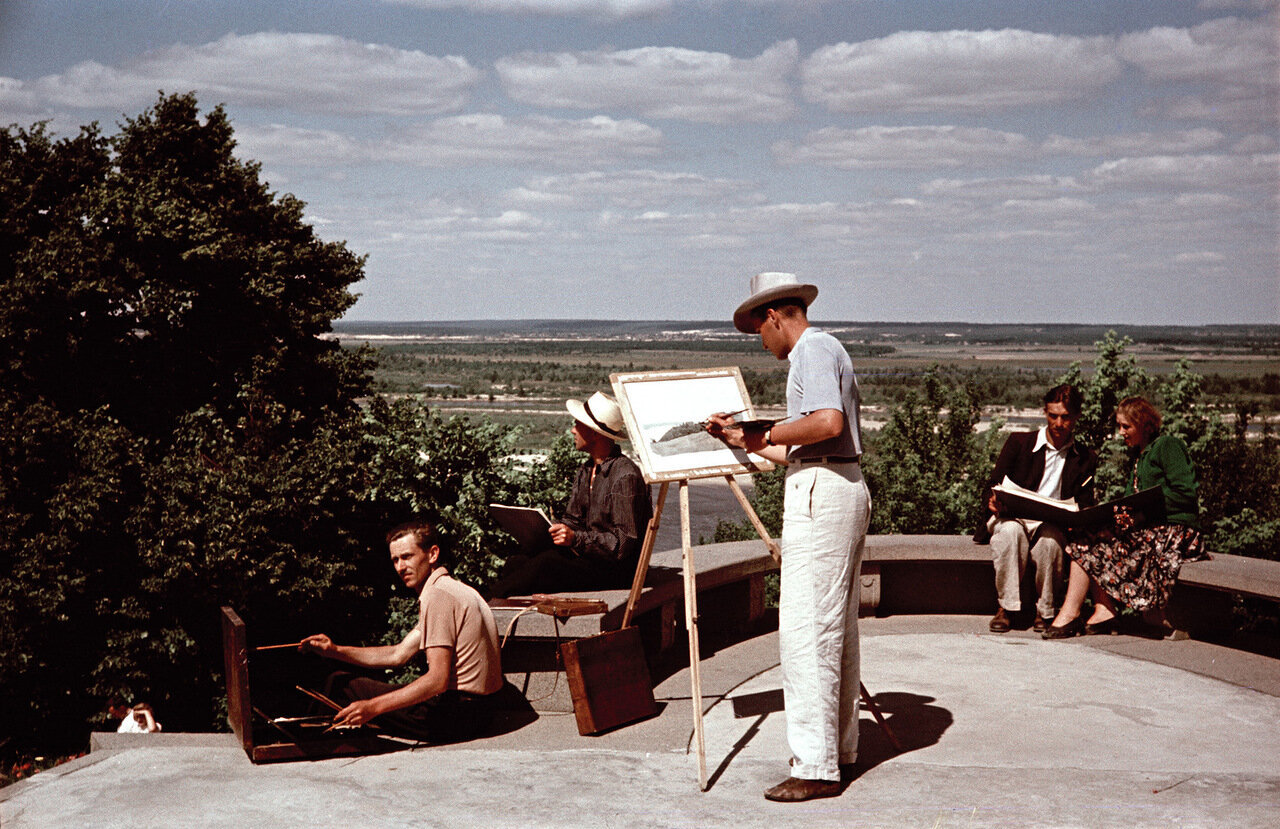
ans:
(175, 432)
(927, 466)
(162, 276)
(1116, 375)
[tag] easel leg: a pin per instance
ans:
(691, 623)
(774, 550)
(875, 712)
(646, 551)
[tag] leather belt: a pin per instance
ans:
(829, 459)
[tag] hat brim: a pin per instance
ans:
(803, 292)
(580, 414)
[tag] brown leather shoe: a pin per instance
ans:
(796, 789)
(999, 622)
(1039, 624)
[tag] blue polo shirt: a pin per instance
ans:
(821, 377)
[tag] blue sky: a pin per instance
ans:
(981, 160)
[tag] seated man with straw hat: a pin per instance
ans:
(596, 544)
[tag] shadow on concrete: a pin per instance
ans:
(512, 712)
(912, 718)
(914, 721)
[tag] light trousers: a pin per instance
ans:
(826, 510)
(1011, 547)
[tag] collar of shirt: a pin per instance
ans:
(437, 573)
(799, 339)
(1042, 439)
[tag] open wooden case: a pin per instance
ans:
(278, 723)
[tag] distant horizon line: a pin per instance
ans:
(816, 321)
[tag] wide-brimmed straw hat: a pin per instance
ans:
(765, 288)
(601, 414)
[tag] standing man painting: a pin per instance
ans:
(1050, 462)
(826, 510)
(453, 699)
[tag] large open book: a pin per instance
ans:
(527, 524)
(1147, 507)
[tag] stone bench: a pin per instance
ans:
(1203, 598)
(901, 574)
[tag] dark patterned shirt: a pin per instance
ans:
(609, 517)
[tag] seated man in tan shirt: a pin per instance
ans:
(452, 700)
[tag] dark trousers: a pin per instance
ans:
(558, 570)
(448, 717)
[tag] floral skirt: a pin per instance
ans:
(1137, 567)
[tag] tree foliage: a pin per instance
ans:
(176, 435)
(928, 464)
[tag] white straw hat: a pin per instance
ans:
(765, 288)
(601, 414)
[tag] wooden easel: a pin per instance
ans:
(691, 604)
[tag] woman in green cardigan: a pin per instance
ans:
(1135, 566)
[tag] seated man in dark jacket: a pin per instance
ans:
(1050, 462)
(597, 543)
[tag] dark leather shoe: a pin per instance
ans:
(1040, 624)
(1073, 628)
(796, 789)
(999, 622)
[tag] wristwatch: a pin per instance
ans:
(768, 436)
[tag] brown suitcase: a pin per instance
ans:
(608, 680)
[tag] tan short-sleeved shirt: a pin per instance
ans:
(453, 615)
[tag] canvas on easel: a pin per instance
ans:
(666, 414)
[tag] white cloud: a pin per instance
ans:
(958, 71)
(658, 82)
(592, 8)
(1199, 257)
(1047, 209)
(628, 188)
(531, 141)
(1255, 143)
(1225, 51)
(1002, 189)
(458, 141)
(930, 147)
(1236, 60)
(300, 72)
(904, 147)
(281, 144)
(1135, 143)
(1168, 173)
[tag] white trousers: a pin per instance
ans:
(826, 510)
(1011, 546)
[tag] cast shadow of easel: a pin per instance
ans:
(911, 717)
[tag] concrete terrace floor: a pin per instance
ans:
(997, 731)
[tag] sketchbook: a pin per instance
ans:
(528, 525)
(1020, 502)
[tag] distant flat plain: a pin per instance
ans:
(519, 372)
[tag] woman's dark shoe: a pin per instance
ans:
(1070, 629)
(1106, 628)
